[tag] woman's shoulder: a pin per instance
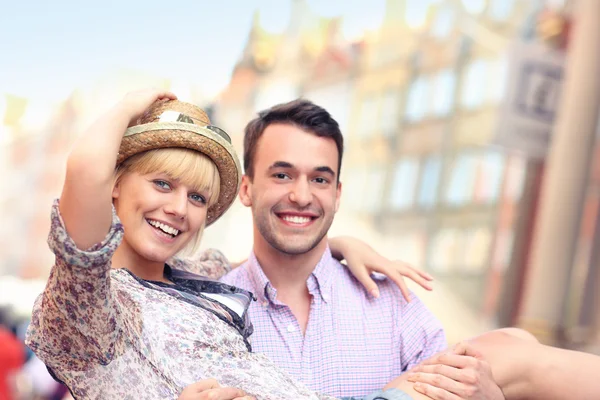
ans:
(211, 263)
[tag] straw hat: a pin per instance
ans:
(174, 123)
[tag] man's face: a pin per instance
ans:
(294, 194)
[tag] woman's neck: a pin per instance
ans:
(139, 266)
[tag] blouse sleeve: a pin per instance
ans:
(210, 263)
(75, 317)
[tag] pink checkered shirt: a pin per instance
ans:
(353, 344)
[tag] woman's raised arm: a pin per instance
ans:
(86, 200)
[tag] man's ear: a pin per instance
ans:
(246, 191)
(338, 196)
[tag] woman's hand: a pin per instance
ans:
(363, 261)
(210, 389)
(136, 103)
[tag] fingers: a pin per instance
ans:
(226, 393)
(392, 269)
(466, 349)
(361, 273)
(451, 360)
(434, 392)
(422, 274)
(438, 381)
(399, 281)
(166, 95)
(417, 277)
(449, 372)
(209, 389)
(204, 384)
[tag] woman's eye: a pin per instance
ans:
(162, 184)
(198, 198)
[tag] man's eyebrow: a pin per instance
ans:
(285, 164)
(281, 164)
(325, 169)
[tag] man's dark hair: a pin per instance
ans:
(301, 113)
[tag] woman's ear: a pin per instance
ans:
(116, 190)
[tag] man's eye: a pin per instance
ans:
(321, 180)
(281, 176)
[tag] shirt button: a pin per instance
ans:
(265, 304)
(291, 328)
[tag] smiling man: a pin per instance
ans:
(312, 317)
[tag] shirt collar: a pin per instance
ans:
(319, 282)
(260, 283)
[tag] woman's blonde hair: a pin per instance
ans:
(188, 167)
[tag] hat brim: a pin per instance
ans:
(162, 135)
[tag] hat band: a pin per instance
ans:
(176, 116)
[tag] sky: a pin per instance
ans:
(50, 48)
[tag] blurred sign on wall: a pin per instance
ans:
(526, 118)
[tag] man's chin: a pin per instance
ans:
(288, 246)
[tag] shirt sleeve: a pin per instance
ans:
(421, 333)
(211, 263)
(75, 316)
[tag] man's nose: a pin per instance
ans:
(301, 193)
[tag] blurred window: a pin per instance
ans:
(443, 22)
(389, 111)
(474, 85)
(446, 250)
(416, 104)
(354, 180)
(443, 92)
(477, 243)
(515, 178)
(430, 179)
(489, 179)
(497, 78)
(474, 6)
(416, 12)
(277, 92)
(368, 116)
(500, 10)
(335, 99)
(462, 180)
(373, 189)
(404, 185)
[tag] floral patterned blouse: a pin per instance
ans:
(109, 335)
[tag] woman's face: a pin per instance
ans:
(160, 215)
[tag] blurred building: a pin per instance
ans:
(417, 101)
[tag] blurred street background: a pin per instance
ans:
(471, 131)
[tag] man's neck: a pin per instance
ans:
(287, 273)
